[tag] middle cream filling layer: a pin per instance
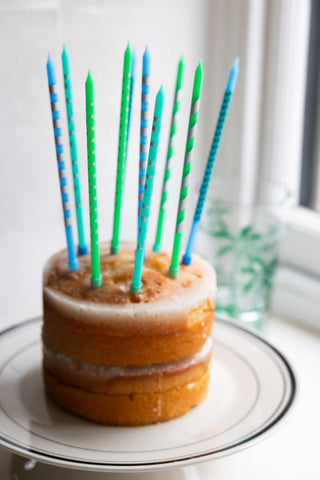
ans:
(82, 369)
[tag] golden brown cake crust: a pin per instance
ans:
(128, 409)
(116, 271)
(100, 346)
(159, 328)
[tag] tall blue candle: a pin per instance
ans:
(143, 126)
(73, 261)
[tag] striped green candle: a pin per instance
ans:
(82, 248)
(147, 193)
(173, 128)
(125, 98)
(195, 102)
(231, 83)
(95, 259)
(132, 77)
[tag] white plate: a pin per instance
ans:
(252, 388)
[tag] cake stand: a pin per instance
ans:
(252, 388)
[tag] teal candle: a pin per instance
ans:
(82, 248)
(147, 194)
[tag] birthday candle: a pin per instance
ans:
(132, 78)
(95, 258)
(115, 242)
(82, 248)
(232, 78)
(147, 194)
(73, 261)
(143, 126)
(173, 128)
(195, 102)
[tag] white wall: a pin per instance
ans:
(96, 33)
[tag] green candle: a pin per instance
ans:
(123, 132)
(95, 259)
(195, 103)
(173, 128)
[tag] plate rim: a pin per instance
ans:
(252, 440)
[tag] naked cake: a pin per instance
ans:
(127, 359)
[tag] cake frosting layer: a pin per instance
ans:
(163, 302)
(88, 371)
(169, 320)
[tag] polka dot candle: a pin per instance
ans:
(95, 260)
(122, 148)
(73, 261)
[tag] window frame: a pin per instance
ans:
(297, 284)
(310, 178)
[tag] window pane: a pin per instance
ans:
(310, 174)
(317, 202)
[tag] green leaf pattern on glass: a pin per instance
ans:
(260, 274)
(258, 256)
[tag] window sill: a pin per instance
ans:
(299, 249)
(304, 220)
(296, 297)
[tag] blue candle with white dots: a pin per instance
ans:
(73, 262)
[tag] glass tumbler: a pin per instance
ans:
(240, 237)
